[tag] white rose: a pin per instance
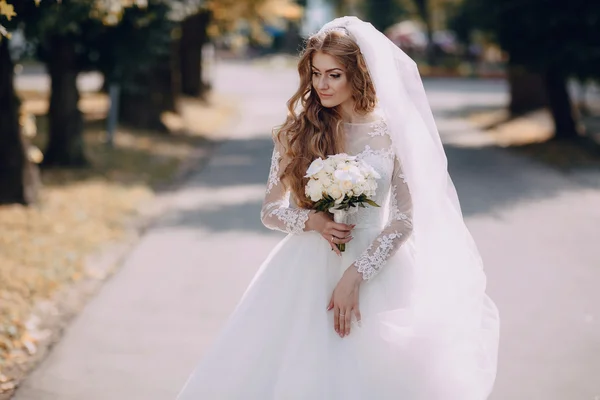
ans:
(359, 188)
(335, 192)
(314, 167)
(326, 181)
(346, 185)
(314, 190)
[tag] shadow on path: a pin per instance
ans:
(487, 179)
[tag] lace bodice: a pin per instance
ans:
(372, 143)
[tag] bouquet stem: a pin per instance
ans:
(339, 216)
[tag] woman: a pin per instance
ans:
(402, 313)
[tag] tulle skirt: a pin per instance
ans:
(280, 343)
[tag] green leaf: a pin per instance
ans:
(371, 202)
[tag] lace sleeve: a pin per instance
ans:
(395, 233)
(276, 212)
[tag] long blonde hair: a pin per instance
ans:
(316, 131)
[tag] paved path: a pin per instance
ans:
(537, 230)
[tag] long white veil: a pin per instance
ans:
(450, 314)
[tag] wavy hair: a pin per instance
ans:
(311, 130)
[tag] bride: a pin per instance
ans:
(402, 313)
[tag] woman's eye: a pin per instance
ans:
(315, 73)
(335, 76)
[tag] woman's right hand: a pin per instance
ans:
(333, 232)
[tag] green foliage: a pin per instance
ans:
(384, 13)
(116, 44)
(539, 33)
(328, 202)
(134, 45)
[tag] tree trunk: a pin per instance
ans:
(563, 112)
(19, 178)
(430, 50)
(527, 90)
(193, 37)
(65, 145)
(153, 92)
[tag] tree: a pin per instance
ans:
(176, 44)
(423, 8)
(63, 31)
(144, 65)
(193, 37)
(19, 177)
(555, 42)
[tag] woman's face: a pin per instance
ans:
(330, 80)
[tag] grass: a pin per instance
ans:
(45, 247)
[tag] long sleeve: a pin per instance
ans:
(276, 212)
(397, 230)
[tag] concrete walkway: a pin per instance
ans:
(537, 230)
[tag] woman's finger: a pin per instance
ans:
(343, 240)
(336, 319)
(338, 237)
(330, 305)
(339, 233)
(332, 245)
(341, 227)
(335, 249)
(347, 321)
(342, 323)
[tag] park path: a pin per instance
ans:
(537, 231)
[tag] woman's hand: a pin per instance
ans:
(331, 231)
(344, 301)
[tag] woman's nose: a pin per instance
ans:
(323, 83)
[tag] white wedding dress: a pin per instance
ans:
(279, 344)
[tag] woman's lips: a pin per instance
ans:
(325, 95)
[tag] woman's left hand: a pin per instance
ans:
(344, 301)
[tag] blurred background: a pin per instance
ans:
(135, 138)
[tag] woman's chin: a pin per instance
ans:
(327, 103)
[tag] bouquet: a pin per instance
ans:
(340, 184)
